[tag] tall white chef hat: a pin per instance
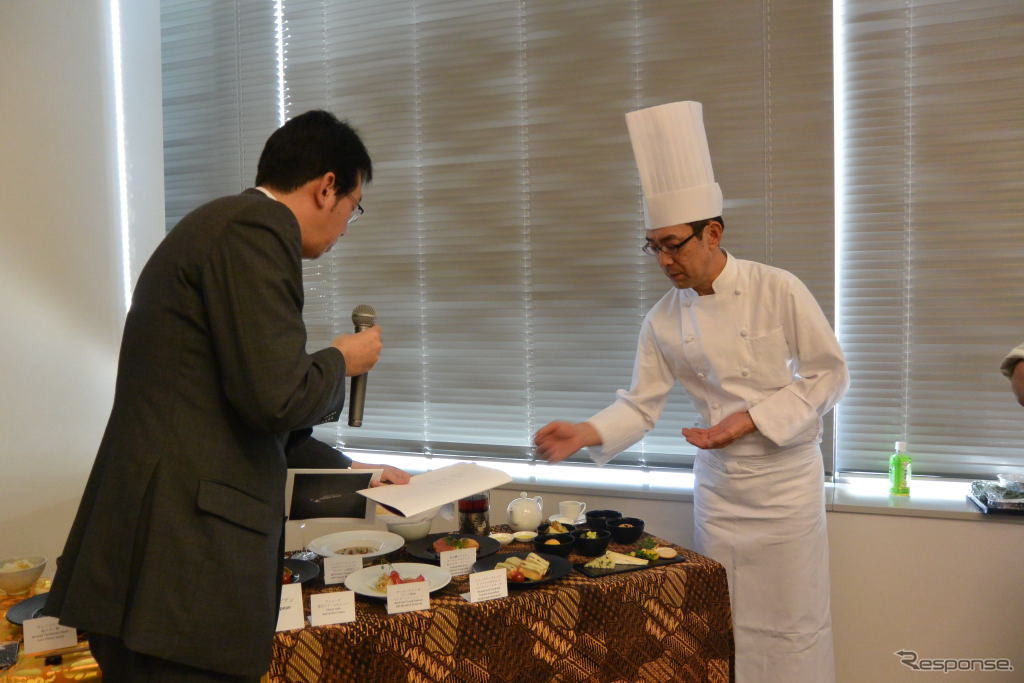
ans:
(671, 151)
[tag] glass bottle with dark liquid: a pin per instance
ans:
(473, 514)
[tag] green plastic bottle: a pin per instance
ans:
(899, 471)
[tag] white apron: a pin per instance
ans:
(763, 518)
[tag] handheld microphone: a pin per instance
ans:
(363, 318)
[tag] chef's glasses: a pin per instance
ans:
(357, 211)
(655, 249)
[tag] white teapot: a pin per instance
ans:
(525, 513)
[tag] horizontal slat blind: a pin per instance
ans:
(501, 241)
(932, 286)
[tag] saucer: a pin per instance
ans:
(582, 519)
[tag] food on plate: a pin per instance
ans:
(519, 570)
(447, 543)
(355, 550)
(502, 537)
(646, 553)
(393, 579)
(590, 534)
(288, 576)
(625, 526)
(619, 558)
(552, 541)
(666, 553)
(557, 527)
(603, 562)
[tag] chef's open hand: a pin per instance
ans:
(723, 433)
(557, 440)
(361, 350)
(390, 475)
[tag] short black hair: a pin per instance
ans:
(698, 226)
(307, 147)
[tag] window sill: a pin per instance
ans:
(932, 498)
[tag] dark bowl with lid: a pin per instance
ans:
(564, 544)
(591, 547)
(626, 529)
(545, 528)
(598, 519)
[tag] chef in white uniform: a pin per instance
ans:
(761, 364)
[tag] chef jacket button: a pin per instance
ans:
(745, 372)
(714, 406)
(736, 292)
(743, 333)
(700, 375)
(689, 340)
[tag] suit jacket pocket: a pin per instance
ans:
(235, 506)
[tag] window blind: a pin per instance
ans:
(932, 288)
(220, 97)
(501, 239)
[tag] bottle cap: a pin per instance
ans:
(901, 446)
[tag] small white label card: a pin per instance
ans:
(332, 608)
(337, 569)
(408, 597)
(458, 562)
(488, 585)
(289, 615)
(45, 633)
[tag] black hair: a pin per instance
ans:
(307, 147)
(698, 226)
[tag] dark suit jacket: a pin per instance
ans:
(176, 544)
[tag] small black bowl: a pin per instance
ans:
(597, 519)
(626, 529)
(565, 543)
(591, 547)
(546, 526)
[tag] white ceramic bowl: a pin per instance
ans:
(525, 536)
(410, 531)
(502, 537)
(15, 579)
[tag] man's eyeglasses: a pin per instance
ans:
(654, 249)
(357, 211)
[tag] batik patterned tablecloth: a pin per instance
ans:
(77, 667)
(668, 623)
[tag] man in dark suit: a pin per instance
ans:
(172, 563)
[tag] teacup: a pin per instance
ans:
(572, 509)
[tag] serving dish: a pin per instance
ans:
(302, 570)
(375, 542)
(363, 582)
(423, 549)
(558, 568)
(27, 609)
(596, 572)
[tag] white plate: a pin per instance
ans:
(379, 543)
(363, 580)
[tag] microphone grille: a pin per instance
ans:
(364, 315)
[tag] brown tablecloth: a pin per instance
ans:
(668, 623)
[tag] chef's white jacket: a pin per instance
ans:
(760, 343)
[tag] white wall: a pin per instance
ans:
(60, 262)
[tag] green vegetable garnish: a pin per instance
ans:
(648, 543)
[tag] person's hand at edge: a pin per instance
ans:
(557, 440)
(390, 475)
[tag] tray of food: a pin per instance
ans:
(993, 498)
(429, 548)
(647, 554)
(526, 569)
